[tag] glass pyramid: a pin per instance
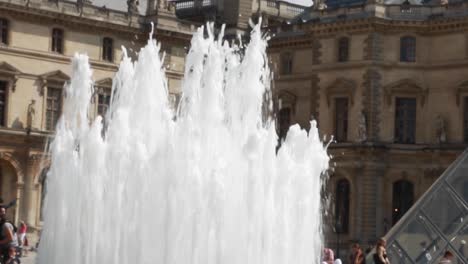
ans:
(437, 222)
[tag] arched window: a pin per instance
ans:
(403, 197)
(343, 49)
(342, 206)
(284, 121)
(408, 49)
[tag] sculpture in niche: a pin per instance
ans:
(441, 135)
(362, 128)
(31, 115)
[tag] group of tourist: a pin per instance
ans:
(358, 256)
(13, 240)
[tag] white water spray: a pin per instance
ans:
(206, 187)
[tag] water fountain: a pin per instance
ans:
(206, 186)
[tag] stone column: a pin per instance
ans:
(371, 200)
(29, 194)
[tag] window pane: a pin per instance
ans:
(445, 212)
(408, 49)
(342, 206)
(57, 40)
(397, 255)
(422, 244)
(284, 121)
(4, 31)
(459, 181)
(3, 91)
(343, 49)
(403, 198)
(341, 119)
(405, 120)
(54, 103)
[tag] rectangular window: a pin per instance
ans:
(3, 101)
(108, 49)
(405, 120)
(54, 107)
(103, 102)
(341, 119)
(57, 40)
(465, 120)
(4, 31)
(286, 63)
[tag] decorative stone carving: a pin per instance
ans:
(9, 73)
(341, 86)
(31, 115)
(407, 87)
(162, 4)
(132, 6)
(362, 128)
(58, 78)
(441, 135)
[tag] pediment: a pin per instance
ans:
(106, 82)
(405, 87)
(460, 89)
(7, 68)
(341, 86)
(55, 76)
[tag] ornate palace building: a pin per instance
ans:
(38, 38)
(390, 82)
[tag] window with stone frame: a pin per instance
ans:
(4, 29)
(286, 63)
(465, 119)
(403, 198)
(341, 119)
(3, 102)
(343, 49)
(408, 49)
(108, 49)
(57, 40)
(405, 120)
(342, 206)
(284, 121)
(104, 98)
(43, 182)
(54, 107)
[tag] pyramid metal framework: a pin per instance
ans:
(437, 222)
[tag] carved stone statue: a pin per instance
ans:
(362, 128)
(441, 135)
(320, 5)
(162, 4)
(132, 6)
(31, 114)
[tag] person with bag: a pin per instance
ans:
(8, 236)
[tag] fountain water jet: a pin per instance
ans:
(204, 187)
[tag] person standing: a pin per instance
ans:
(380, 255)
(23, 229)
(8, 236)
(357, 255)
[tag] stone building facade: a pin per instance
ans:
(38, 40)
(390, 82)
